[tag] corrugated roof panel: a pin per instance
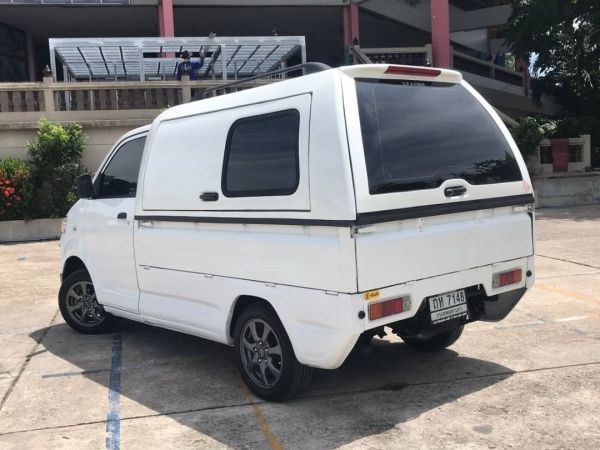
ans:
(245, 55)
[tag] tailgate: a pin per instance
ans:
(440, 185)
(401, 251)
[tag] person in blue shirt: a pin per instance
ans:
(192, 67)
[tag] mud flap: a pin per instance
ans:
(497, 307)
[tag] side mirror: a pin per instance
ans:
(85, 187)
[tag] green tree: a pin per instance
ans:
(55, 165)
(528, 135)
(565, 35)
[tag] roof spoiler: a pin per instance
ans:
(395, 71)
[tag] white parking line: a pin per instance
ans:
(569, 319)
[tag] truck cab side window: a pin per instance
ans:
(120, 177)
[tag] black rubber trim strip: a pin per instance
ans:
(441, 209)
(361, 219)
(250, 220)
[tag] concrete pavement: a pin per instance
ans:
(532, 380)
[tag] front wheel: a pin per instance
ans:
(265, 356)
(80, 308)
(436, 342)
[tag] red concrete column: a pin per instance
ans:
(560, 154)
(440, 33)
(166, 24)
(350, 25)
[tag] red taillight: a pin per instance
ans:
(415, 71)
(505, 278)
(387, 308)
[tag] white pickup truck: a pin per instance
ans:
(293, 219)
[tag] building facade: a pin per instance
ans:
(462, 34)
(470, 24)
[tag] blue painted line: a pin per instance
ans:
(113, 416)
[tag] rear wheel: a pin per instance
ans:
(436, 342)
(79, 306)
(265, 356)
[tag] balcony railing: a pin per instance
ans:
(48, 97)
(56, 97)
(410, 56)
(476, 66)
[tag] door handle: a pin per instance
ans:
(146, 223)
(209, 196)
(454, 191)
(122, 215)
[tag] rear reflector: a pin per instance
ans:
(505, 278)
(388, 308)
(415, 71)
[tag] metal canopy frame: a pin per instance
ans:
(140, 58)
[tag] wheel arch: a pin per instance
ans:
(239, 305)
(72, 264)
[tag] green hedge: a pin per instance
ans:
(15, 188)
(45, 185)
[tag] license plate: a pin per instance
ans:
(448, 306)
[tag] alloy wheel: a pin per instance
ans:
(261, 353)
(83, 306)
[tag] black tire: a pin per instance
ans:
(85, 315)
(293, 376)
(436, 342)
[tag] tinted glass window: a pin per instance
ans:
(262, 156)
(416, 136)
(120, 177)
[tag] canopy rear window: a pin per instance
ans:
(418, 135)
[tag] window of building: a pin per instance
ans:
(120, 177)
(575, 153)
(546, 154)
(13, 54)
(261, 157)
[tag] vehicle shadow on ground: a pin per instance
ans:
(382, 384)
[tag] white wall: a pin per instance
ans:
(475, 39)
(417, 16)
(567, 190)
(479, 18)
(13, 141)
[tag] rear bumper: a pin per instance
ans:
(324, 329)
(480, 307)
(485, 302)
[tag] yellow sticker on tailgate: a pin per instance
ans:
(371, 295)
